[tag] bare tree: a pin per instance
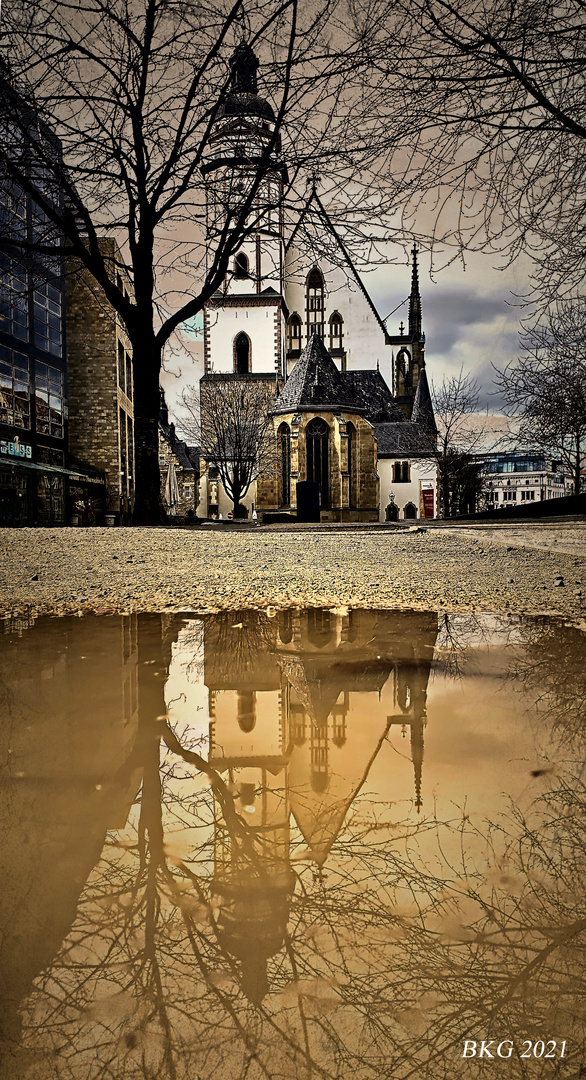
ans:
(483, 122)
(461, 434)
(544, 390)
(231, 420)
(133, 93)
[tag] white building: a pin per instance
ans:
(517, 478)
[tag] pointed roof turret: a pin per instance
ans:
(422, 413)
(415, 300)
(315, 383)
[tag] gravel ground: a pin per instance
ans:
(494, 568)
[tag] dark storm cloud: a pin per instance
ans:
(447, 312)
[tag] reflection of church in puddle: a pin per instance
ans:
(300, 707)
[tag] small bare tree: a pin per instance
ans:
(545, 388)
(231, 420)
(461, 434)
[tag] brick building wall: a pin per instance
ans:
(100, 372)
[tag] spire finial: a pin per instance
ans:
(414, 299)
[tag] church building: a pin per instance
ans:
(353, 420)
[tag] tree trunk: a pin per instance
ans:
(148, 503)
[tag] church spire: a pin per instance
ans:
(415, 332)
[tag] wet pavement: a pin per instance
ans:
(292, 844)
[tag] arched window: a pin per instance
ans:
(241, 266)
(336, 332)
(284, 434)
(246, 710)
(320, 630)
(352, 492)
(314, 299)
(286, 626)
(317, 440)
(242, 354)
(294, 333)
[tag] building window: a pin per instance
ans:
(336, 332)
(401, 472)
(213, 472)
(49, 400)
(285, 449)
(121, 365)
(246, 708)
(128, 376)
(13, 299)
(317, 440)
(242, 355)
(241, 269)
(294, 333)
(48, 322)
(15, 398)
(351, 433)
(315, 303)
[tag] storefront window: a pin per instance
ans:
(50, 500)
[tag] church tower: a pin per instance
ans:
(409, 360)
(244, 322)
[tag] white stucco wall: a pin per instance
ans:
(363, 337)
(260, 324)
(422, 474)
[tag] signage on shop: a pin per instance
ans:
(15, 448)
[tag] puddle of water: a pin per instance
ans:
(320, 844)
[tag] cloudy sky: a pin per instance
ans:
(471, 320)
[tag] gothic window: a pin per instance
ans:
(294, 333)
(286, 626)
(401, 472)
(336, 333)
(314, 290)
(241, 266)
(317, 439)
(285, 450)
(242, 355)
(351, 433)
(319, 628)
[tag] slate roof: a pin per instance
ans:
(422, 412)
(404, 439)
(187, 456)
(315, 383)
(372, 394)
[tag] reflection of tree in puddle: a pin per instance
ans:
(261, 916)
